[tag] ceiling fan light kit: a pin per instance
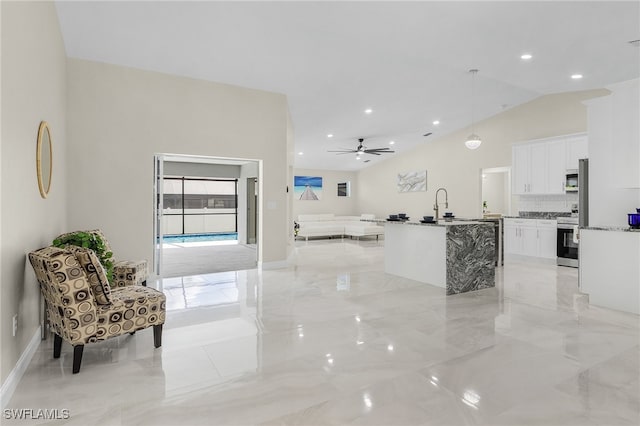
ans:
(473, 141)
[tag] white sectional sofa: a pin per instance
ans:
(329, 225)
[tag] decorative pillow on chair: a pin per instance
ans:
(95, 273)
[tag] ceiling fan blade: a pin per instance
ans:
(378, 150)
(345, 151)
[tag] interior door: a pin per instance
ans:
(158, 171)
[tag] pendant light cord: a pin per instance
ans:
(473, 119)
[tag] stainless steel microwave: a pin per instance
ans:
(571, 181)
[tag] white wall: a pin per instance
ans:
(119, 117)
(329, 202)
(449, 164)
(33, 89)
(290, 158)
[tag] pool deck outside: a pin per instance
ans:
(166, 245)
(200, 240)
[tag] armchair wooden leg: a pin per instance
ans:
(57, 345)
(157, 335)
(77, 357)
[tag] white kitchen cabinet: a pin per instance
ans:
(576, 148)
(520, 237)
(529, 168)
(540, 167)
(512, 243)
(556, 172)
(530, 237)
(547, 236)
(539, 158)
(521, 169)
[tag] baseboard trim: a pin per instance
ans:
(9, 386)
(279, 264)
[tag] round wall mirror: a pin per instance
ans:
(44, 159)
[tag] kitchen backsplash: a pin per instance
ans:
(547, 203)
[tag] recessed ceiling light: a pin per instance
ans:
(301, 153)
(576, 76)
(357, 158)
(330, 135)
(391, 142)
(526, 56)
(436, 122)
(368, 111)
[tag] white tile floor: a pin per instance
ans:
(333, 340)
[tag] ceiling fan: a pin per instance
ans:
(361, 149)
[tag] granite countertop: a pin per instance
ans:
(539, 215)
(611, 228)
(438, 223)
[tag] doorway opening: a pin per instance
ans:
(495, 191)
(206, 215)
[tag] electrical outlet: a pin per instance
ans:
(15, 325)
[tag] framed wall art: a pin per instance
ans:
(412, 181)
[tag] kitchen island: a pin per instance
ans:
(458, 256)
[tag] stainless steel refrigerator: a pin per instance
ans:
(583, 192)
(583, 206)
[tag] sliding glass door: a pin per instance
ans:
(199, 206)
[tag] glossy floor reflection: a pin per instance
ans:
(334, 340)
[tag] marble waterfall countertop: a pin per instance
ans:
(456, 255)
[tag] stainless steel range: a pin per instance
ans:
(567, 248)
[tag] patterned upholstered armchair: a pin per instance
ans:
(125, 272)
(81, 306)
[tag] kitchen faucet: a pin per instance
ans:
(446, 201)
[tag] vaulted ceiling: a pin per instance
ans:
(406, 61)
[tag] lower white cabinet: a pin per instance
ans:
(530, 237)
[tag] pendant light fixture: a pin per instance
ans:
(473, 141)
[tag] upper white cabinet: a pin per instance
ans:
(556, 172)
(521, 169)
(540, 167)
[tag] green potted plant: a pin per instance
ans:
(93, 242)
